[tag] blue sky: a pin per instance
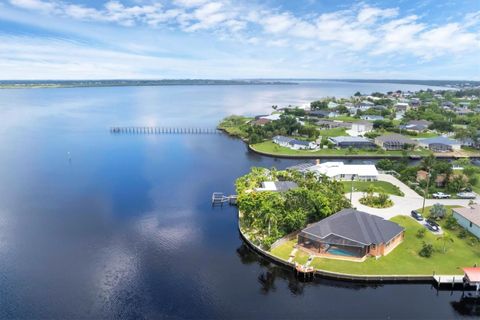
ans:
(145, 39)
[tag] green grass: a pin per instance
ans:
(235, 126)
(346, 118)
(422, 135)
(334, 132)
(274, 149)
(476, 187)
(404, 259)
(380, 186)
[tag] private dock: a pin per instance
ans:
(162, 130)
(218, 198)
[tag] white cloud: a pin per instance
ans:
(359, 32)
(371, 14)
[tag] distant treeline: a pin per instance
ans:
(438, 83)
(120, 83)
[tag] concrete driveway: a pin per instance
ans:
(403, 205)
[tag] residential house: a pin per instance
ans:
(394, 141)
(277, 186)
(440, 179)
(401, 106)
(415, 103)
(340, 170)
(259, 122)
(440, 144)
(351, 235)
(372, 117)
(354, 142)
(330, 124)
(323, 114)
(463, 111)
(469, 218)
(448, 105)
(416, 125)
(271, 117)
(332, 105)
(359, 128)
(293, 143)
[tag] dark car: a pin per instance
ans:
(432, 225)
(416, 215)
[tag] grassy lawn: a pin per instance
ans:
(380, 186)
(346, 119)
(274, 149)
(422, 135)
(235, 126)
(476, 187)
(335, 132)
(405, 259)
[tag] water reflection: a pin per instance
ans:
(272, 272)
(468, 305)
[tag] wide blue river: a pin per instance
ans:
(98, 225)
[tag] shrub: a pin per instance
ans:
(463, 234)
(421, 233)
(426, 251)
(451, 222)
(438, 211)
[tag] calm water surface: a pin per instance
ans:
(125, 228)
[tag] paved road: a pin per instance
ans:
(403, 205)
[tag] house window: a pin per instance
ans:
(471, 224)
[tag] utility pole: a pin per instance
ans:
(426, 191)
(351, 190)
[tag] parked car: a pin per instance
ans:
(432, 225)
(416, 215)
(466, 195)
(440, 195)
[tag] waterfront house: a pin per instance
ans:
(394, 141)
(359, 128)
(469, 218)
(416, 125)
(440, 144)
(369, 117)
(323, 114)
(272, 117)
(330, 124)
(277, 186)
(352, 235)
(401, 107)
(332, 105)
(293, 143)
(340, 171)
(354, 142)
(259, 122)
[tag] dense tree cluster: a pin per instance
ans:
(267, 216)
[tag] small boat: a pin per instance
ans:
(415, 157)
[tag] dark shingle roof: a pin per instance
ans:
(354, 227)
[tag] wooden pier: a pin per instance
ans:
(162, 130)
(218, 198)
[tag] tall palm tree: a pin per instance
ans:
(427, 163)
(445, 237)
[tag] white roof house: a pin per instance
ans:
(341, 171)
(272, 117)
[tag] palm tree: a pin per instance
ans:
(445, 237)
(270, 218)
(427, 164)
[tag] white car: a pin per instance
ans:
(440, 195)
